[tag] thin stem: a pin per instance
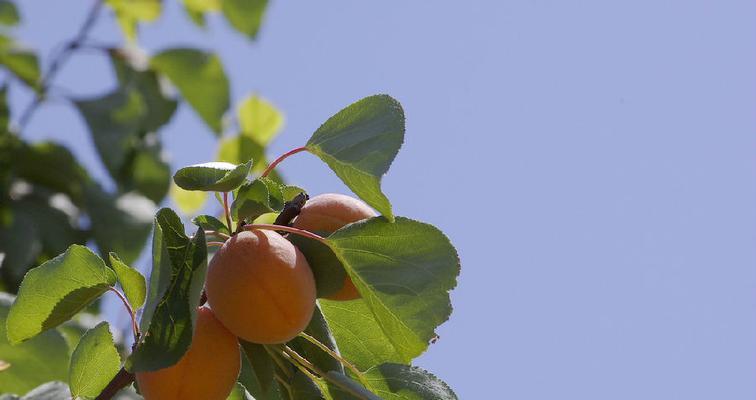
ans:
(58, 62)
(219, 244)
(300, 366)
(134, 326)
(218, 234)
(281, 158)
(285, 385)
(227, 212)
(277, 359)
(334, 354)
(304, 363)
(296, 231)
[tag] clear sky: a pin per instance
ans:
(593, 161)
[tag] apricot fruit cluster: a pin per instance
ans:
(260, 288)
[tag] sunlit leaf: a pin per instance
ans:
(94, 362)
(132, 282)
(259, 119)
(245, 15)
(188, 201)
(212, 176)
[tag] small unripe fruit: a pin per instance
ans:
(208, 370)
(329, 212)
(261, 288)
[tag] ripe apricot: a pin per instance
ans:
(208, 370)
(261, 288)
(328, 212)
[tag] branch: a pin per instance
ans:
(279, 159)
(122, 379)
(291, 209)
(58, 62)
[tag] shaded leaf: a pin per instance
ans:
(150, 173)
(49, 391)
(178, 274)
(239, 393)
(250, 380)
(319, 330)
(263, 367)
(56, 290)
(359, 143)
(132, 282)
(210, 223)
(326, 267)
(212, 176)
(200, 78)
(259, 119)
(252, 200)
(245, 15)
(38, 360)
(94, 362)
(53, 166)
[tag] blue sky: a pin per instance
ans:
(593, 162)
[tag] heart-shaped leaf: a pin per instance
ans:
(359, 143)
(56, 290)
(259, 119)
(212, 176)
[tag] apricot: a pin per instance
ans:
(207, 371)
(261, 288)
(328, 212)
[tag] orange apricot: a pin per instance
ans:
(207, 371)
(261, 288)
(328, 212)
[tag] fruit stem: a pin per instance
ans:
(219, 244)
(220, 235)
(132, 315)
(227, 212)
(279, 159)
(335, 355)
(296, 231)
(277, 359)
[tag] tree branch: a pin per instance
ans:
(291, 209)
(58, 62)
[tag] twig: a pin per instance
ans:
(335, 355)
(291, 209)
(58, 62)
(227, 212)
(132, 314)
(122, 379)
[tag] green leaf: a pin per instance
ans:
(259, 119)
(251, 201)
(210, 223)
(319, 330)
(114, 121)
(178, 274)
(94, 362)
(249, 376)
(129, 66)
(245, 15)
(22, 63)
(200, 78)
(150, 173)
(239, 149)
(132, 282)
(8, 13)
(404, 272)
(350, 386)
(359, 143)
(38, 360)
(198, 8)
(56, 290)
(188, 201)
(129, 13)
(212, 176)
(119, 224)
(404, 382)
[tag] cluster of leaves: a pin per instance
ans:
(50, 207)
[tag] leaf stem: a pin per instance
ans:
(132, 314)
(281, 158)
(296, 231)
(277, 359)
(335, 355)
(285, 385)
(227, 212)
(218, 234)
(219, 244)
(58, 62)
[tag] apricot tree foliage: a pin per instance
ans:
(67, 239)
